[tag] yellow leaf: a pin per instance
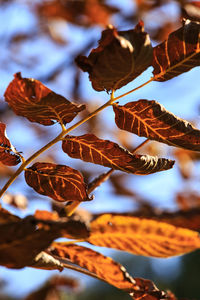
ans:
(142, 236)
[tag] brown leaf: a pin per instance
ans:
(188, 200)
(118, 183)
(84, 13)
(8, 155)
(107, 270)
(179, 53)
(120, 57)
(191, 11)
(51, 289)
(21, 240)
(59, 182)
(31, 99)
(7, 217)
(90, 148)
(142, 236)
(150, 119)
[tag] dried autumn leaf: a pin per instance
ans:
(188, 200)
(191, 11)
(179, 53)
(142, 236)
(8, 155)
(90, 148)
(189, 219)
(59, 182)
(7, 217)
(84, 13)
(107, 270)
(45, 261)
(150, 119)
(31, 99)
(51, 289)
(21, 240)
(120, 57)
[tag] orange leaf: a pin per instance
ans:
(179, 53)
(90, 148)
(107, 270)
(120, 57)
(189, 219)
(8, 154)
(150, 119)
(31, 99)
(59, 182)
(142, 236)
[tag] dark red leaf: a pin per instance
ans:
(150, 119)
(179, 53)
(59, 182)
(120, 57)
(90, 148)
(8, 155)
(31, 99)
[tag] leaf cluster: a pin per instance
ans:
(120, 57)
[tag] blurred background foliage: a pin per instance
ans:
(41, 39)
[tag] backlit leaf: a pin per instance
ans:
(179, 53)
(59, 182)
(150, 119)
(107, 270)
(31, 99)
(142, 236)
(120, 57)
(21, 240)
(8, 154)
(187, 219)
(90, 148)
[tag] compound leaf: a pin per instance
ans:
(90, 148)
(31, 99)
(8, 155)
(142, 236)
(59, 182)
(150, 119)
(179, 53)
(120, 57)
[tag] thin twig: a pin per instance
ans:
(63, 133)
(65, 264)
